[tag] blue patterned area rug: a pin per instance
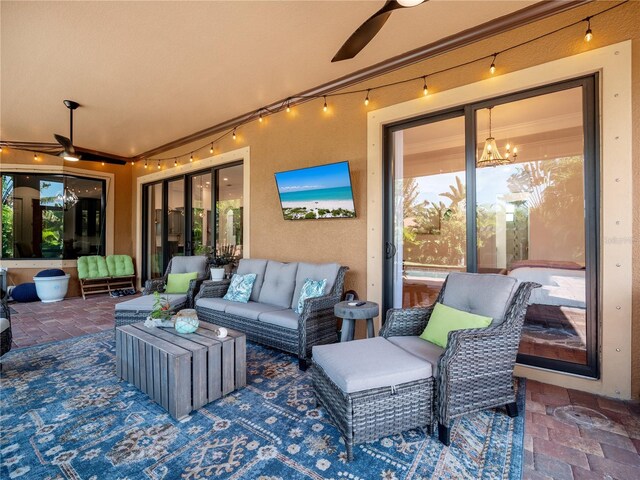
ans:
(65, 415)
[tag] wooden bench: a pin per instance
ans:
(181, 372)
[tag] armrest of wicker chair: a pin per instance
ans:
(194, 288)
(213, 289)
(405, 322)
(154, 285)
(316, 324)
(5, 334)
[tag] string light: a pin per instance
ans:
(102, 164)
(588, 34)
(492, 69)
(211, 149)
(158, 164)
(175, 162)
(145, 163)
(132, 163)
(191, 158)
(35, 156)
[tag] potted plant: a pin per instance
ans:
(222, 261)
(161, 308)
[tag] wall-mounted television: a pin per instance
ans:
(316, 192)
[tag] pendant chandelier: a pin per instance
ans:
(68, 198)
(491, 155)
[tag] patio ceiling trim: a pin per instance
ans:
(480, 32)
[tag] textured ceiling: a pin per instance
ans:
(147, 73)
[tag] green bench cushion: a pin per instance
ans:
(120, 265)
(92, 266)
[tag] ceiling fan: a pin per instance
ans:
(370, 28)
(70, 152)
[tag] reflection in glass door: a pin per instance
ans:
(229, 210)
(429, 228)
(154, 259)
(175, 218)
(200, 214)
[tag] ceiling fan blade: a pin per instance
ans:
(65, 142)
(96, 156)
(365, 32)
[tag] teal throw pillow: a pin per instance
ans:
(240, 288)
(446, 319)
(310, 289)
(179, 282)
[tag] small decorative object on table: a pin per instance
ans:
(221, 332)
(186, 321)
(160, 316)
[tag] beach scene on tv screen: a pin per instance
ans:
(316, 192)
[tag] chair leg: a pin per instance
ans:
(302, 364)
(444, 434)
(349, 446)
(512, 409)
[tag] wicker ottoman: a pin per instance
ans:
(138, 309)
(372, 388)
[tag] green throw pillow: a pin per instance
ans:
(179, 282)
(446, 319)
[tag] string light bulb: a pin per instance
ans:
(175, 162)
(588, 34)
(132, 163)
(35, 156)
(325, 108)
(102, 163)
(492, 68)
(366, 100)
(288, 106)
(158, 164)
(145, 163)
(234, 134)
(260, 117)
(211, 149)
(425, 89)
(191, 158)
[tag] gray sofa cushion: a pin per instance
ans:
(314, 271)
(196, 263)
(278, 285)
(145, 302)
(483, 294)
(282, 318)
(370, 363)
(217, 304)
(257, 266)
(250, 310)
(420, 348)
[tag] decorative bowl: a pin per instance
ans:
(186, 321)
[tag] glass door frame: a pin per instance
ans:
(188, 203)
(590, 124)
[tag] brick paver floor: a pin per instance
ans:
(37, 322)
(554, 449)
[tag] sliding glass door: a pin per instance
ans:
(192, 215)
(505, 186)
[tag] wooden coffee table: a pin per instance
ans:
(181, 372)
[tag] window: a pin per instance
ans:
(505, 186)
(51, 216)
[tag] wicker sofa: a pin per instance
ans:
(268, 318)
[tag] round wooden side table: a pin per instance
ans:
(351, 313)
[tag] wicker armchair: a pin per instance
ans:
(475, 372)
(5, 325)
(179, 264)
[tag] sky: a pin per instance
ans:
(491, 182)
(323, 176)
